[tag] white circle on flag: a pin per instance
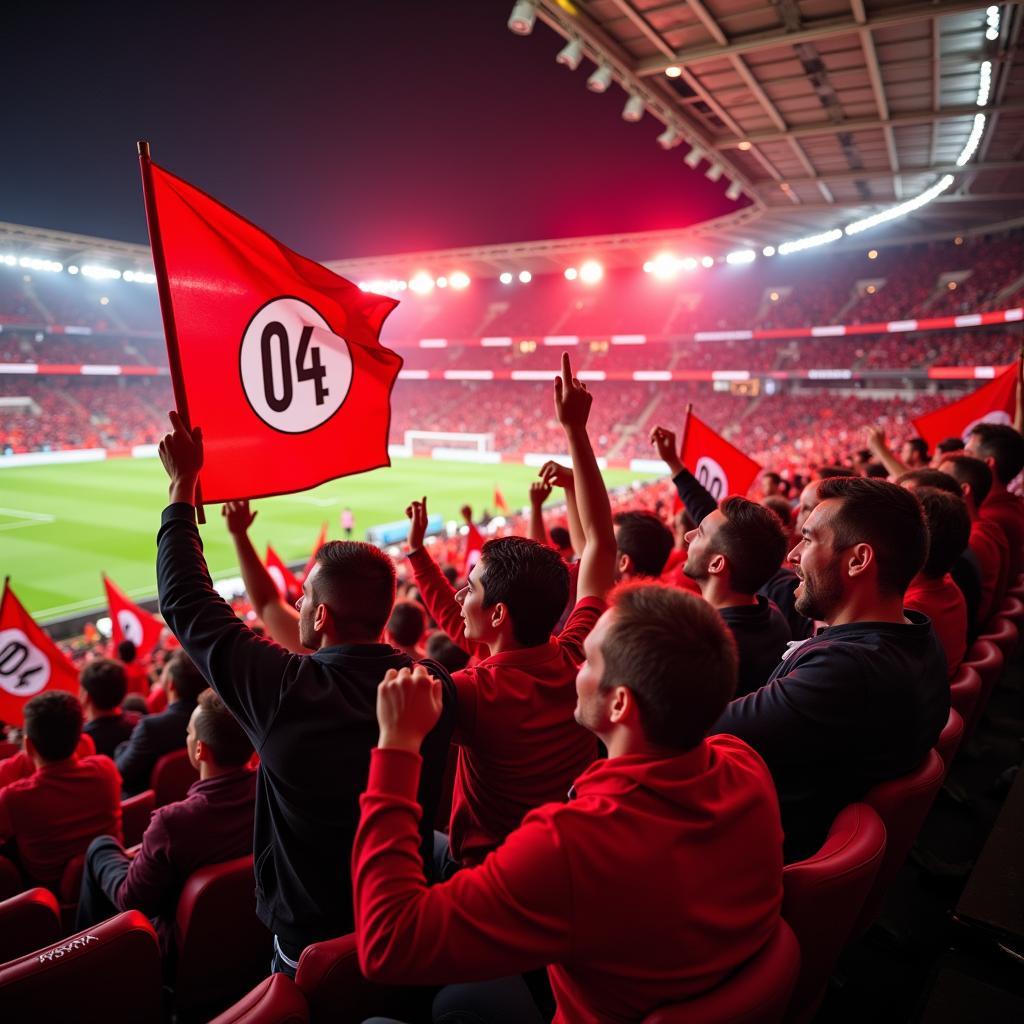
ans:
(295, 371)
(278, 577)
(131, 628)
(1000, 416)
(712, 477)
(24, 669)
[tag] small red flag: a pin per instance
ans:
(994, 402)
(277, 358)
(320, 542)
(130, 622)
(30, 661)
(500, 505)
(474, 546)
(284, 579)
(720, 467)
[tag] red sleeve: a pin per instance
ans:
(439, 598)
(465, 705)
(6, 823)
(510, 914)
(86, 747)
(19, 766)
(578, 626)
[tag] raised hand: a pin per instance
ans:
(417, 513)
(408, 706)
(556, 475)
(237, 516)
(572, 399)
(181, 452)
(876, 439)
(664, 440)
(540, 491)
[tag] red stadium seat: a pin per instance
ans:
(135, 814)
(223, 948)
(987, 660)
(823, 896)
(950, 738)
(107, 974)
(275, 1000)
(1013, 609)
(965, 693)
(902, 804)
(11, 880)
(757, 993)
(172, 776)
(1003, 633)
(28, 921)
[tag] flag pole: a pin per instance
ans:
(156, 245)
(686, 427)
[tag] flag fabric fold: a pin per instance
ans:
(130, 622)
(288, 585)
(280, 359)
(30, 662)
(500, 505)
(994, 402)
(719, 466)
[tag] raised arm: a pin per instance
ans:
(597, 564)
(882, 452)
(539, 493)
(561, 476)
(280, 618)
(692, 493)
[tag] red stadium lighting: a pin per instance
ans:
(571, 273)
(664, 266)
(525, 277)
(505, 277)
(458, 279)
(591, 272)
(707, 261)
(442, 282)
(421, 283)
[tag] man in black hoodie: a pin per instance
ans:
(311, 718)
(865, 699)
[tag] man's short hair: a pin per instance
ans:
(560, 538)
(105, 682)
(966, 469)
(646, 539)
(126, 651)
(357, 583)
(950, 444)
(531, 580)
(876, 471)
(441, 649)
(928, 477)
(53, 722)
(677, 657)
(949, 529)
(753, 540)
(1003, 444)
(832, 472)
(219, 730)
(919, 445)
(782, 508)
(772, 476)
(407, 623)
(187, 680)
(884, 515)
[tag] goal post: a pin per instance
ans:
(454, 445)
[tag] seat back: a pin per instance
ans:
(823, 896)
(135, 814)
(28, 921)
(11, 880)
(950, 738)
(1003, 633)
(107, 974)
(223, 948)
(757, 993)
(986, 658)
(275, 1000)
(964, 694)
(172, 775)
(902, 804)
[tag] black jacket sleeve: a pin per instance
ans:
(136, 758)
(693, 495)
(250, 674)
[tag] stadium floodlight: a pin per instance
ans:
(571, 273)
(669, 138)
(634, 109)
(768, 250)
(688, 263)
(421, 283)
(694, 157)
(673, 71)
(591, 272)
(458, 279)
(714, 172)
(901, 209)
(664, 266)
(505, 277)
(525, 277)
(707, 261)
(98, 273)
(992, 17)
(8, 260)
(523, 15)
(984, 82)
(37, 263)
(72, 269)
(442, 282)
(810, 242)
(570, 55)
(600, 79)
(734, 191)
(741, 256)
(972, 142)
(138, 277)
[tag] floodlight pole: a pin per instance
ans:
(156, 245)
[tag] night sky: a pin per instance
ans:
(345, 129)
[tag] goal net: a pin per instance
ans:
(423, 442)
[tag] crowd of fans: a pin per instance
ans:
(631, 689)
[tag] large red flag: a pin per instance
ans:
(277, 358)
(284, 579)
(994, 402)
(719, 466)
(320, 542)
(130, 622)
(500, 504)
(30, 661)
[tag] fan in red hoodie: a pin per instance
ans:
(660, 876)
(1002, 448)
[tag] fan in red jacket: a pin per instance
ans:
(659, 878)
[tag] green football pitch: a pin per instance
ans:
(62, 525)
